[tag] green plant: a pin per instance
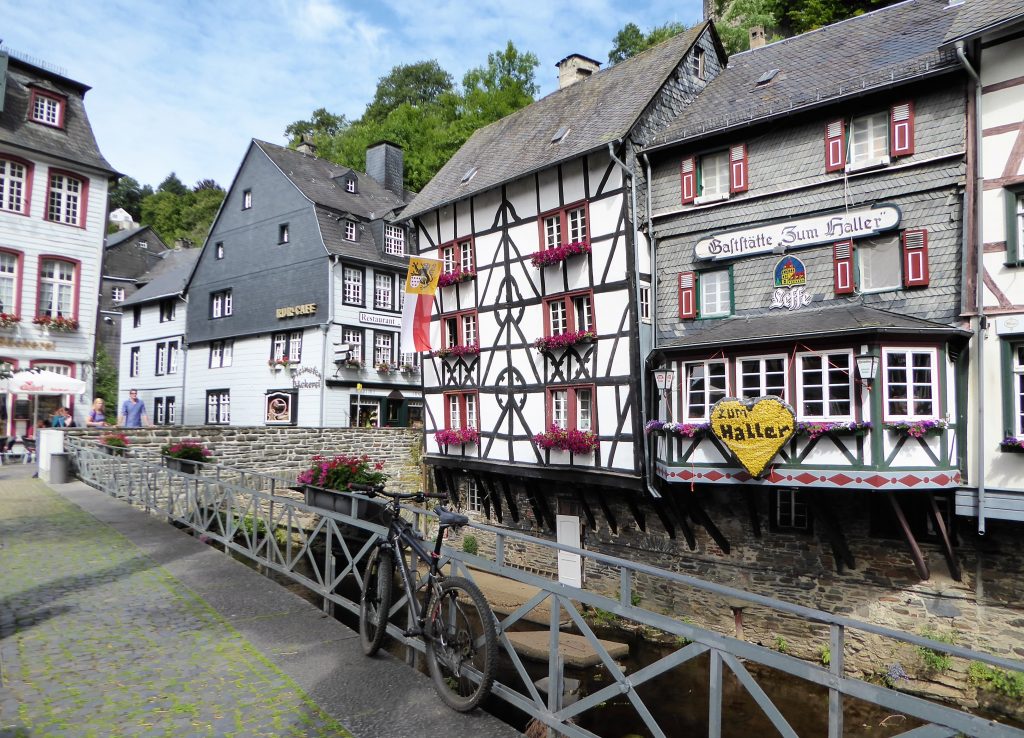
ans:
(602, 617)
(825, 655)
(936, 661)
(635, 599)
(249, 524)
(470, 545)
(188, 450)
(781, 645)
(991, 679)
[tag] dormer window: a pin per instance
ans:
(394, 240)
(350, 185)
(143, 244)
(47, 109)
(697, 66)
(350, 230)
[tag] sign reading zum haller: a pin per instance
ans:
(798, 234)
(753, 430)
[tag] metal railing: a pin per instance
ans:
(250, 514)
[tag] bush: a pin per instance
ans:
(470, 545)
(1009, 683)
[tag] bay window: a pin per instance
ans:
(825, 386)
(910, 384)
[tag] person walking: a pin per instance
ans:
(133, 412)
(97, 417)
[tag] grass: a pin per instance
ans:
(936, 661)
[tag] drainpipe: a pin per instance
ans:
(184, 359)
(642, 379)
(654, 294)
(325, 327)
(979, 327)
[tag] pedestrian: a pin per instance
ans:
(133, 412)
(61, 419)
(97, 417)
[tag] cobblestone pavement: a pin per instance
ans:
(96, 639)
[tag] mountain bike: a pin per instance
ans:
(449, 613)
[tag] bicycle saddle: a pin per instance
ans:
(450, 518)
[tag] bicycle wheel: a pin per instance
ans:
(462, 644)
(375, 601)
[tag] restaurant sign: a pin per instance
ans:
(798, 234)
(754, 431)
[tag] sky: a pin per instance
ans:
(183, 85)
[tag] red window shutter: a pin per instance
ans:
(915, 258)
(901, 129)
(688, 179)
(842, 267)
(738, 168)
(835, 146)
(687, 295)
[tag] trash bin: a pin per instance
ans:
(58, 468)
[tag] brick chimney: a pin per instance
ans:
(757, 39)
(306, 145)
(385, 162)
(574, 68)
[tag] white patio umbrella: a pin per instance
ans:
(42, 382)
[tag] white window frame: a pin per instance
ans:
(572, 407)
(134, 361)
(713, 169)
(350, 231)
(352, 286)
(354, 338)
(46, 109)
(1017, 379)
(64, 199)
(711, 395)
(383, 348)
(219, 249)
(762, 375)
(645, 303)
(168, 309)
(714, 293)
(57, 288)
(827, 387)
(383, 291)
(220, 304)
(866, 147)
(246, 199)
(1019, 197)
(221, 353)
(116, 293)
(350, 185)
(887, 386)
(461, 410)
(13, 186)
(9, 280)
(218, 407)
(394, 240)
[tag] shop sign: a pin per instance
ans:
(306, 377)
(1009, 325)
(790, 278)
(798, 234)
(26, 344)
(296, 310)
(280, 408)
(391, 321)
(753, 430)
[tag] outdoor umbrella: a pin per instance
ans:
(41, 382)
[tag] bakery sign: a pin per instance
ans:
(798, 234)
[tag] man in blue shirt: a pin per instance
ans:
(133, 412)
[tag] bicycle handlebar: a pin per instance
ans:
(372, 490)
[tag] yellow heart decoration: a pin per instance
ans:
(753, 430)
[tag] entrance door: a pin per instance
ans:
(570, 565)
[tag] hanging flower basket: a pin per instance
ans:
(549, 257)
(817, 429)
(456, 436)
(459, 275)
(60, 323)
(549, 343)
(690, 430)
(470, 349)
(917, 428)
(1012, 444)
(576, 441)
(9, 319)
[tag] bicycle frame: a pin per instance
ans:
(400, 535)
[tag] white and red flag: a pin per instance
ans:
(418, 332)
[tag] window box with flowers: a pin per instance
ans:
(558, 254)
(690, 430)
(816, 429)
(325, 485)
(409, 368)
(60, 323)
(114, 444)
(353, 364)
(185, 456)
(451, 352)
(456, 277)
(564, 340)
(917, 428)
(564, 439)
(277, 365)
(1012, 444)
(456, 436)
(8, 320)
(384, 367)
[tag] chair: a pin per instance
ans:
(30, 450)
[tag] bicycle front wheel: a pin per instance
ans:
(461, 644)
(375, 601)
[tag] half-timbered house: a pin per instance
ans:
(534, 388)
(808, 219)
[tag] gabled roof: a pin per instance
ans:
(880, 49)
(841, 320)
(597, 111)
(116, 239)
(977, 17)
(166, 279)
(332, 228)
(74, 143)
(323, 183)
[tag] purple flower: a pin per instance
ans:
(547, 257)
(576, 441)
(459, 275)
(470, 349)
(683, 429)
(814, 429)
(917, 428)
(456, 436)
(562, 340)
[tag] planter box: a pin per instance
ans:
(346, 504)
(183, 465)
(113, 450)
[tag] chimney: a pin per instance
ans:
(386, 164)
(574, 68)
(756, 37)
(306, 145)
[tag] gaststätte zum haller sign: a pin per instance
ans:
(798, 234)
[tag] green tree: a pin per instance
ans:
(321, 125)
(504, 85)
(180, 213)
(418, 84)
(630, 40)
(742, 15)
(128, 194)
(173, 185)
(105, 380)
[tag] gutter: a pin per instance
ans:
(642, 377)
(979, 321)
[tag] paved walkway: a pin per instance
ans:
(113, 623)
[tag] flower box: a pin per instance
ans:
(345, 503)
(558, 254)
(385, 368)
(563, 340)
(8, 320)
(60, 323)
(185, 456)
(114, 444)
(470, 349)
(1012, 444)
(182, 465)
(917, 428)
(325, 482)
(353, 364)
(690, 430)
(456, 277)
(822, 428)
(576, 441)
(456, 436)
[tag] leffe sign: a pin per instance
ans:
(798, 234)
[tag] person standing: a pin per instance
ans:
(97, 417)
(133, 412)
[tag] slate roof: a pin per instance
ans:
(166, 279)
(850, 319)
(880, 49)
(981, 16)
(597, 111)
(115, 239)
(75, 143)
